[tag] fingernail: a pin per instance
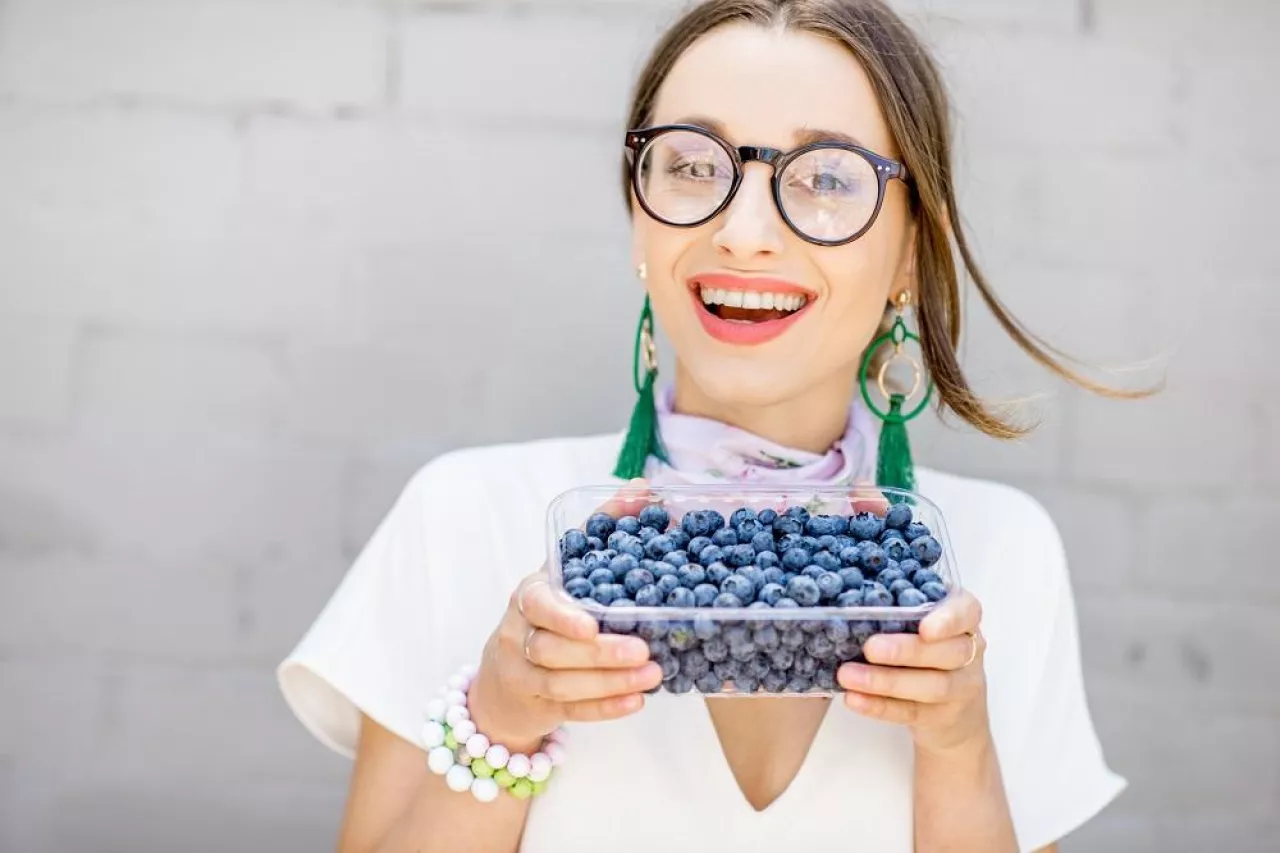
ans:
(634, 650)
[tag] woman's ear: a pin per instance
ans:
(905, 278)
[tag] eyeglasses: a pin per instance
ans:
(828, 193)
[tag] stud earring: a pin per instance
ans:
(642, 271)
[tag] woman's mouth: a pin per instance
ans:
(747, 310)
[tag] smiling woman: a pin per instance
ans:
(786, 164)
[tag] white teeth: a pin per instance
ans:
(753, 299)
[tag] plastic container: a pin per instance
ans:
(749, 651)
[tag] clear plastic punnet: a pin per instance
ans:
(751, 590)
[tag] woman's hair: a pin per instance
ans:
(914, 100)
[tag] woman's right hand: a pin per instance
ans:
(548, 663)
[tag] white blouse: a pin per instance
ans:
(433, 581)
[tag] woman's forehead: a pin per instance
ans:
(770, 87)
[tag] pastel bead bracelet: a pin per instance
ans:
(467, 759)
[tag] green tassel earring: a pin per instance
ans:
(642, 438)
(894, 467)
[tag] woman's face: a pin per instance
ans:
(760, 87)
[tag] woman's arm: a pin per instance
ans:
(396, 804)
(960, 803)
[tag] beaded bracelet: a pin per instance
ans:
(469, 762)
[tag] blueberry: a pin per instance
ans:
(827, 560)
(843, 541)
(704, 594)
(715, 649)
(909, 568)
(658, 648)
(621, 623)
(575, 568)
(898, 516)
(680, 635)
(829, 585)
(605, 593)
(738, 556)
(836, 630)
(799, 684)
(875, 595)
(898, 586)
(740, 515)
(866, 525)
(762, 541)
(912, 597)
(788, 542)
(847, 650)
(652, 629)
(767, 639)
(872, 556)
(649, 596)
(793, 638)
(662, 567)
(725, 538)
(825, 677)
(805, 665)
(915, 530)
(897, 549)
(717, 572)
(680, 684)
(782, 659)
(655, 516)
(594, 560)
(798, 513)
(726, 599)
(740, 588)
(893, 626)
(827, 543)
(758, 667)
(579, 587)
(705, 627)
(708, 683)
(573, 544)
(773, 574)
(770, 593)
(600, 576)
(813, 572)
(737, 634)
(691, 575)
(811, 626)
(622, 564)
(725, 670)
(659, 546)
(767, 516)
(637, 579)
(889, 575)
(748, 530)
(679, 537)
(715, 521)
(694, 663)
(850, 598)
(645, 534)
(862, 631)
(767, 560)
(595, 543)
(804, 591)
(934, 590)
(618, 538)
(758, 605)
(630, 524)
(711, 554)
(785, 526)
(742, 652)
(820, 646)
(681, 597)
(810, 543)
(925, 576)
(795, 559)
(851, 578)
(819, 525)
(600, 525)
(696, 524)
(677, 559)
(753, 573)
(745, 684)
(785, 603)
(774, 682)
(927, 550)
(850, 556)
(670, 666)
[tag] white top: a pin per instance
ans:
(433, 581)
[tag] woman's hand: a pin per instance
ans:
(932, 682)
(548, 663)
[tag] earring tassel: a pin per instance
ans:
(643, 439)
(894, 467)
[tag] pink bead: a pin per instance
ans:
(556, 752)
(477, 744)
(519, 766)
(497, 756)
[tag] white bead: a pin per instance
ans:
(455, 715)
(518, 766)
(497, 756)
(477, 744)
(463, 731)
(556, 752)
(439, 760)
(468, 670)
(459, 779)
(456, 682)
(539, 767)
(432, 734)
(456, 698)
(436, 709)
(485, 790)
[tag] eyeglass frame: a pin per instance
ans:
(886, 169)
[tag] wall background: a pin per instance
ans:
(260, 260)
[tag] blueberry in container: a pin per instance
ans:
(751, 590)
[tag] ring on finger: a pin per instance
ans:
(973, 648)
(520, 597)
(528, 638)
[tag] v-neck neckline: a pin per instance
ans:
(723, 770)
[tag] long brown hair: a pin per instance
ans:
(915, 102)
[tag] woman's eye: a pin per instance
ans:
(695, 168)
(825, 182)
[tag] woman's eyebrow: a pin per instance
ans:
(804, 136)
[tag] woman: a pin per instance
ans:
(771, 296)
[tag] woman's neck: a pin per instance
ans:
(813, 420)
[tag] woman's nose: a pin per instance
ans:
(751, 225)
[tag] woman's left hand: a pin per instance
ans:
(932, 682)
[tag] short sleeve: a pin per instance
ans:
(1056, 775)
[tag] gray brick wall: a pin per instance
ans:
(253, 257)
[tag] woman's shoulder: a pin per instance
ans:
(989, 506)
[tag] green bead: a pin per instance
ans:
(504, 778)
(449, 740)
(539, 787)
(480, 768)
(522, 789)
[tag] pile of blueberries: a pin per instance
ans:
(775, 565)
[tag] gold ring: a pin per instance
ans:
(973, 649)
(916, 373)
(528, 638)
